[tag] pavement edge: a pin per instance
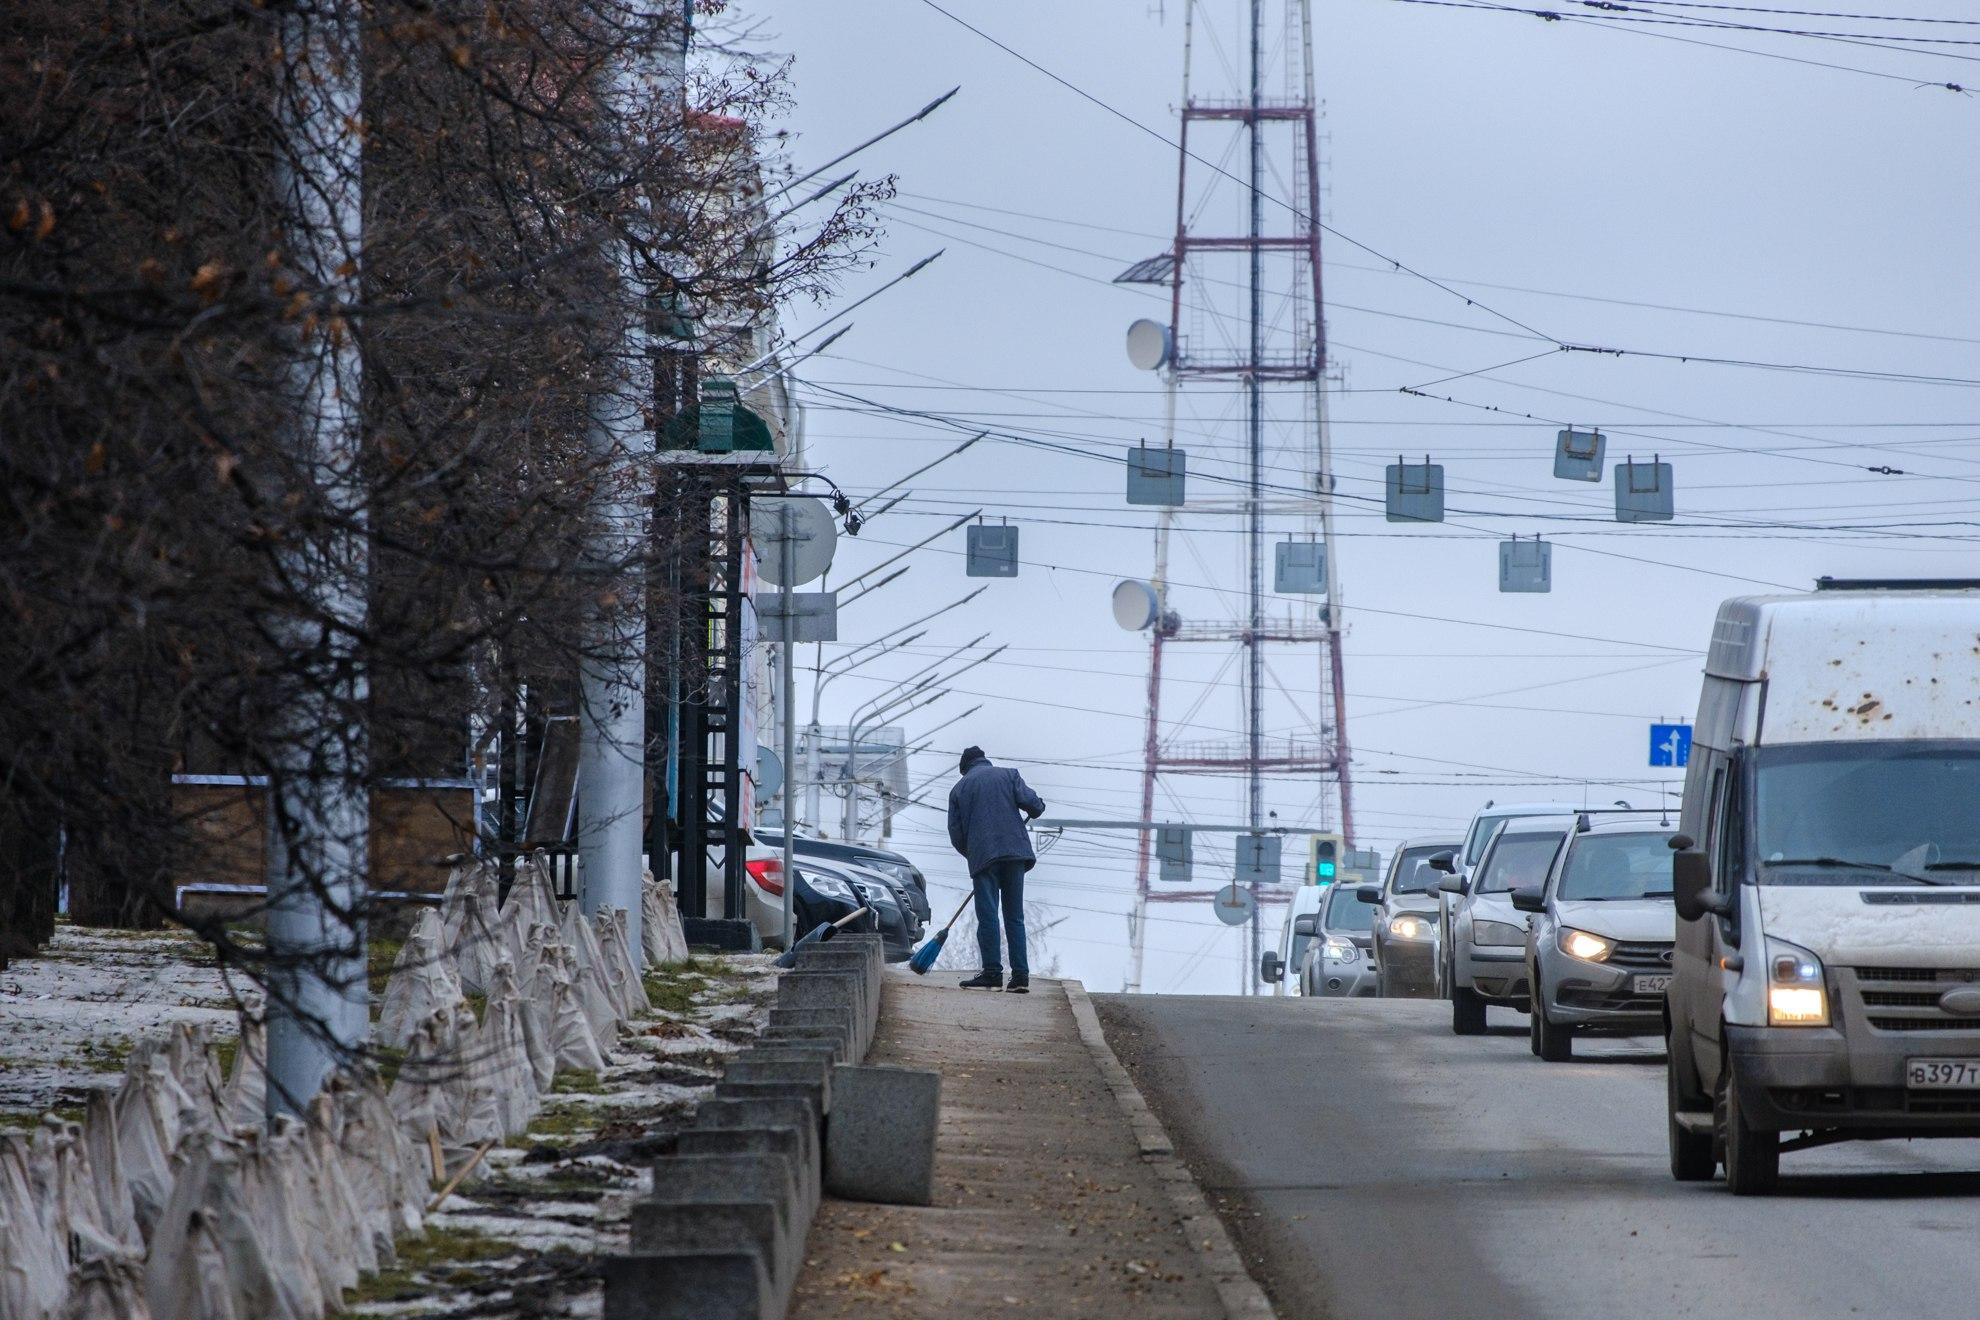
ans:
(1239, 1293)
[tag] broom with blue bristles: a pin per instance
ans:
(925, 956)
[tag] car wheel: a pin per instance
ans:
(1551, 1041)
(1692, 1156)
(1752, 1157)
(1467, 1011)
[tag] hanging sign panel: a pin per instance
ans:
(1526, 565)
(1299, 568)
(1415, 491)
(1643, 491)
(1156, 476)
(993, 551)
(1578, 455)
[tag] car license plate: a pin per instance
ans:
(1942, 1074)
(1650, 985)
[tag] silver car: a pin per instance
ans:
(1484, 937)
(1340, 960)
(1598, 954)
(1405, 921)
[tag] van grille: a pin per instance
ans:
(1906, 999)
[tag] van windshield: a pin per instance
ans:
(1481, 833)
(1867, 813)
(1413, 873)
(1616, 866)
(1521, 861)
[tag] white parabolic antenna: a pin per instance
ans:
(808, 521)
(1135, 604)
(1148, 344)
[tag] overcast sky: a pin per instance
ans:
(1565, 177)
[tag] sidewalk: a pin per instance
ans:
(1043, 1203)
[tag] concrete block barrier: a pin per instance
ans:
(813, 1094)
(841, 993)
(727, 1179)
(880, 1135)
(797, 1149)
(835, 1036)
(708, 1285)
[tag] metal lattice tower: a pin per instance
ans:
(1244, 284)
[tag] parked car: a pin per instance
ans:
(909, 885)
(1827, 878)
(1405, 920)
(1340, 959)
(827, 891)
(1598, 948)
(1279, 967)
(1476, 837)
(1485, 949)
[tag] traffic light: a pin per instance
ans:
(1326, 858)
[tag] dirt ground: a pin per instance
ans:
(1042, 1203)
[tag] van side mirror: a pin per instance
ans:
(1451, 884)
(1530, 899)
(1270, 969)
(1308, 925)
(1443, 861)
(1368, 893)
(1691, 886)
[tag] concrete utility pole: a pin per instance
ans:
(612, 669)
(319, 807)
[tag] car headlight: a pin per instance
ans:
(1497, 932)
(1340, 950)
(1585, 945)
(1797, 993)
(1409, 926)
(830, 886)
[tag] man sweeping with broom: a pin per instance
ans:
(987, 810)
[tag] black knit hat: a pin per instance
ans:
(970, 756)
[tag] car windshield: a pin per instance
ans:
(1603, 866)
(1520, 861)
(1867, 813)
(1347, 914)
(1413, 873)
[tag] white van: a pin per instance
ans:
(1280, 966)
(1827, 884)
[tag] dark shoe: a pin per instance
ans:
(985, 981)
(1020, 984)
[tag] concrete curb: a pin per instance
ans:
(1239, 1293)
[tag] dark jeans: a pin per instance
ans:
(1001, 880)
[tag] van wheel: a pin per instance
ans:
(1551, 1041)
(1467, 1011)
(1752, 1157)
(1692, 1156)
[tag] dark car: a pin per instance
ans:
(827, 891)
(903, 876)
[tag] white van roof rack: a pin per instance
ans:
(1897, 584)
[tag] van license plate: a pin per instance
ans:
(1650, 985)
(1942, 1074)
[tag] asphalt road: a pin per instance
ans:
(1371, 1164)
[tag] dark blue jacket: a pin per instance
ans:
(984, 820)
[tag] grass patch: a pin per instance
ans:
(561, 1121)
(674, 989)
(436, 1259)
(380, 953)
(575, 1081)
(105, 1056)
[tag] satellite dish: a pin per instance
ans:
(1148, 344)
(1136, 605)
(769, 772)
(808, 522)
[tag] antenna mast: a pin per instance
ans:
(1268, 339)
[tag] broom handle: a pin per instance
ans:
(967, 900)
(850, 917)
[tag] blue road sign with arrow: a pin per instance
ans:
(1670, 744)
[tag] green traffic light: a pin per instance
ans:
(1326, 870)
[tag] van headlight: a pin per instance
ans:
(1497, 932)
(1409, 926)
(1585, 945)
(1797, 992)
(1338, 950)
